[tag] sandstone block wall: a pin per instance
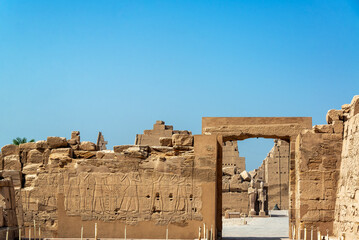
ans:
(235, 202)
(68, 183)
(158, 135)
(346, 214)
(231, 156)
(8, 211)
(64, 184)
(318, 161)
(317, 170)
(235, 187)
(276, 176)
(234, 190)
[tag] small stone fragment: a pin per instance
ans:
(245, 176)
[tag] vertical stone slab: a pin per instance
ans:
(206, 154)
(292, 183)
(318, 157)
(347, 198)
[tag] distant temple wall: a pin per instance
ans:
(235, 188)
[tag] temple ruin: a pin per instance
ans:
(171, 181)
(236, 180)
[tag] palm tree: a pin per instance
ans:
(19, 140)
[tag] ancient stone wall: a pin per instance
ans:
(347, 197)
(235, 188)
(235, 202)
(160, 135)
(231, 156)
(68, 183)
(276, 174)
(65, 184)
(8, 211)
(318, 158)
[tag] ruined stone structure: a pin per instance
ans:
(241, 128)
(235, 182)
(101, 143)
(274, 171)
(65, 184)
(346, 212)
(8, 211)
(234, 189)
(231, 156)
(161, 134)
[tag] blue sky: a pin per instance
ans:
(118, 66)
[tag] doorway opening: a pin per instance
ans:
(255, 188)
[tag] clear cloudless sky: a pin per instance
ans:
(118, 66)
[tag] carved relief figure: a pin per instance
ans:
(131, 194)
(181, 199)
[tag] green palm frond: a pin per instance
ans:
(19, 140)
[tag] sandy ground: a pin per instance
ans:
(275, 227)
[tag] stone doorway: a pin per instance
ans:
(265, 162)
(241, 128)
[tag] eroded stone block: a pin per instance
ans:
(338, 127)
(5, 197)
(56, 142)
(27, 146)
(87, 146)
(245, 176)
(42, 144)
(182, 140)
(323, 128)
(31, 168)
(166, 141)
(105, 154)
(12, 162)
(137, 152)
(10, 149)
(34, 156)
(334, 115)
(15, 176)
(121, 148)
(84, 154)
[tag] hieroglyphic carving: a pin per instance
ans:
(132, 196)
